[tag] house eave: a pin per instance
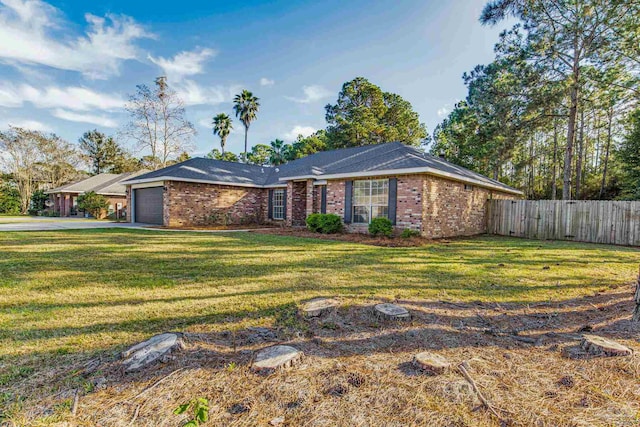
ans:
(199, 181)
(82, 192)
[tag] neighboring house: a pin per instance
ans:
(412, 189)
(64, 199)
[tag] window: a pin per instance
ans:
(468, 187)
(370, 200)
(278, 204)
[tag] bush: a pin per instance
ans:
(330, 224)
(381, 227)
(9, 200)
(313, 222)
(324, 223)
(93, 203)
(38, 202)
(407, 233)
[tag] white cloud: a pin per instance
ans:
(71, 97)
(29, 124)
(194, 94)
(311, 94)
(443, 112)
(84, 118)
(205, 122)
(299, 130)
(32, 32)
(184, 63)
(266, 82)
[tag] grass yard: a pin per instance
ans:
(70, 301)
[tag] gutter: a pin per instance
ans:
(199, 181)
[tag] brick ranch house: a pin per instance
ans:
(64, 199)
(412, 189)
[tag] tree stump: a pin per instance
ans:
(431, 362)
(391, 312)
(319, 307)
(279, 356)
(636, 311)
(149, 351)
(599, 346)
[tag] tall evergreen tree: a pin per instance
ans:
(363, 114)
(102, 151)
(563, 37)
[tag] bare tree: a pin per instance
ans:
(33, 158)
(158, 123)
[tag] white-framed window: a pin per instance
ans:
(370, 200)
(278, 204)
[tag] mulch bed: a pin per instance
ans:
(392, 242)
(217, 227)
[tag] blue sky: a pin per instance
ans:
(68, 66)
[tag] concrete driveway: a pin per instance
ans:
(45, 224)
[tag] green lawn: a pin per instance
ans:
(79, 291)
(67, 295)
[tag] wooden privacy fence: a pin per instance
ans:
(597, 221)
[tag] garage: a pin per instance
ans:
(147, 203)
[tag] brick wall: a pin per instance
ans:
(335, 198)
(451, 210)
(410, 196)
(317, 198)
(187, 204)
(128, 204)
(436, 207)
(114, 200)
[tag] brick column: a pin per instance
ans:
(289, 214)
(67, 205)
(309, 198)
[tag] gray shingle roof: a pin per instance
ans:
(218, 171)
(393, 157)
(104, 183)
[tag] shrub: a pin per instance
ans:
(330, 224)
(9, 200)
(408, 233)
(324, 223)
(38, 202)
(313, 222)
(381, 227)
(93, 203)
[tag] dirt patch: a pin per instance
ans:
(392, 242)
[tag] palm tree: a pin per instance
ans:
(279, 151)
(222, 127)
(246, 107)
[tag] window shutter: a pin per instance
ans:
(270, 205)
(323, 200)
(393, 199)
(284, 196)
(348, 190)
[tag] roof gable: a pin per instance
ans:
(103, 183)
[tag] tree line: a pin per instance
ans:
(555, 114)
(363, 114)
